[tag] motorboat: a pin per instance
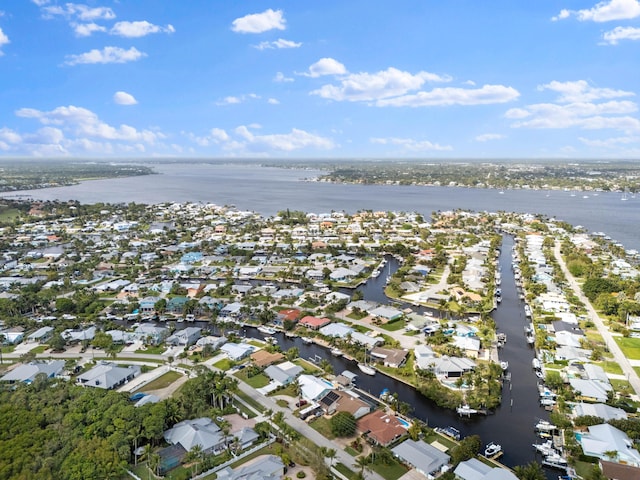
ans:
(545, 448)
(504, 365)
(266, 330)
(336, 352)
(492, 450)
(449, 432)
(535, 363)
(306, 340)
(271, 340)
(364, 368)
(466, 410)
(545, 426)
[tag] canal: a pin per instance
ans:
(512, 424)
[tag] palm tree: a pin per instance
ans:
(330, 453)
(364, 463)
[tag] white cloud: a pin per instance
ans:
(489, 136)
(281, 78)
(326, 66)
(3, 41)
(375, 86)
(612, 37)
(614, 142)
(82, 122)
(245, 141)
(280, 43)
(87, 29)
(138, 29)
(259, 22)
(604, 11)
(273, 101)
(124, 98)
(234, 100)
(411, 145)
(485, 95)
(80, 12)
(9, 136)
(40, 3)
(106, 55)
(581, 91)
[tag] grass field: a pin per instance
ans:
(163, 381)
(630, 347)
(393, 471)
(257, 381)
(224, 364)
(393, 326)
(611, 367)
(321, 425)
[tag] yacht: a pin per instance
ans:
(364, 368)
(492, 450)
(466, 410)
(545, 448)
(266, 330)
(306, 340)
(336, 352)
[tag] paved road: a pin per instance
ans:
(613, 347)
(304, 429)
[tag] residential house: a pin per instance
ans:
(262, 358)
(390, 357)
(618, 471)
(367, 339)
(337, 330)
(264, 467)
(176, 305)
(470, 346)
(12, 336)
(386, 313)
(288, 315)
(237, 351)
(424, 357)
(313, 388)
(41, 335)
(380, 427)
(344, 401)
(187, 336)
(601, 410)
(601, 440)
(452, 367)
(591, 390)
(314, 323)
(150, 334)
(200, 431)
(425, 458)
(148, 304)
(75, 336)
(108, 375)
(27, 373)
(474, 469)
(283, 373)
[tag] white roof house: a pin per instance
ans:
(606, 438)
(237, 351)
(425, 356)
(28, 372)
(108, 375)
(424, 457)
(601, 410)
(339, 330)
(592, 389)
(200, 431)
(474, 469)
(264, 467)
(313, 388)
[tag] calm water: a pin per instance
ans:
(269, 190)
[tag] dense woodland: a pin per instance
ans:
(53, 429)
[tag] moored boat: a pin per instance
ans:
(364, 368)
(266, 330)
(492, 450)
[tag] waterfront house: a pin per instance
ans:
(237, 351)
(147, 305)
(336, 330)
(618, 471)
(369, 340)
(176, 304)
(314, 323)
(425, 458)
(344, 401)
(201, 432)
(150, 334)
(452, 367)
(600, 410)
(390, 357)
(262, 358)
(474, 469)
(185, 337)
(313, 388)
(424, 357)
(283, 373)
(591, 390)
(380, 427)
(603, 439)
(107, 375)
(27, 373)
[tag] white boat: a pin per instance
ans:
(555, 460)
(466, 410)
(306, 340)
(535, 363)
(545, 448)
(492, 450)
(266, 330)
(364, 368)
(545, 426)
(504, 365)
(336, 352)
(271, 340)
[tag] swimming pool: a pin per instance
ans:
(403, 422)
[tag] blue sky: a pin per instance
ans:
(320, 79)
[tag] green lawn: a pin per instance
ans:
(163, 381)
(357, 316)
(40, 349)
(630, 347)
(224, 364)
(351, 451)
(393, 325)
(309, 368)
(611, 367)
(321, 425)
(344, 470)
(9, 214)
(257, 381)
(250, 401)
(620, 385)
(393, 471)
(152, 350)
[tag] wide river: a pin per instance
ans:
(268, 190)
